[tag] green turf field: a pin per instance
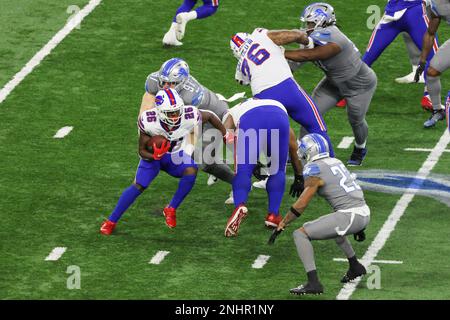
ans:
(56, 192)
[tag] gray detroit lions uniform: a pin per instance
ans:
(441, 60)
(351, 214)
(193, 93)
(347, 76)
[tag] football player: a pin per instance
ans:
(262, 128)
(440, 9)
(174, 120)
(346, 75)
(261, 64)
(184, 15)
(329, 178)
(174, 73)
(408, 16)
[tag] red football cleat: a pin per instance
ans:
(273, 220)
(426, 103)
(341, 103)
(235, 220)
(171, 216)
(107, 227)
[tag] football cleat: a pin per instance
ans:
(308, 288)
(357, 156)
(341, 103)
(235, 220)
(272, 220)
(409, 78)
(171, 218)
(182, 20)
(107, 227)
(353, 273)
(230, 199)
(170, 39)
(211, 180)
(426, 103)
(435, 117)
(260, 184)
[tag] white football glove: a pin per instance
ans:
(241, 79)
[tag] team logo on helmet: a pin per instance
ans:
(159, 100)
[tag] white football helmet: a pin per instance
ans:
(312, 147)
(321, 14)
(173, 71)
(236, 43)
(169, 106)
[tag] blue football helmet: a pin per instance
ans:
(312, 147)
(173, 71)
(320, 14)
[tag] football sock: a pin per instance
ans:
(434, 88)
(205, 11)
(312, 276)
(345, 246)
(305, 250)
(353, 262)
(275, 190)
(126, 199)
(186, 6)
(242, 184)
(221, 171)
(361, 146)
(184, 187)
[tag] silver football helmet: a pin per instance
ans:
(319, 14)
(312, 147)
(174, 71)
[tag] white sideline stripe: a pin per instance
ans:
(374, 261)
(234, 97)
(346, 142)
(422, 149)
(45, 51)
(159, 257)
(260, 261)
(389, 225)
(61, 133)
(56, 254)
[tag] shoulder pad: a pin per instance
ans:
(321, 37)
(311, 169)
(197, 98)
(151, 84)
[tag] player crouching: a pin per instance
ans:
(174, 121)
(331, 179)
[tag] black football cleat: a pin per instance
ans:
(357, 156)
(308, 288)
(353, 273)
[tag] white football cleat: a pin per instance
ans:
(230, 200)
(182, 19)
(211, 180)
(409, 78)
(170, 38)
(260, 184)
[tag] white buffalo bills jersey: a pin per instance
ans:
(262, 63)
(239, 110)
(150, 124)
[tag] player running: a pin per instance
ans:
(184, 15)
(346, 75)
(262, 128)
(261, 64)
(174, 73)
(173, 120)
(440, 9)
(329, 178)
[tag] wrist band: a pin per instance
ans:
(292, 209)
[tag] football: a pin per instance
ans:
(157, 140)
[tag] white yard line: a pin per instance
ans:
(422, 149)
(61, 133)
(346, 142)
(56, 254)
(260, 261)
(45, 51)
(374, 261)
(400, 208)
(159, 257)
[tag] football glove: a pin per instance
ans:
(158, 153)
(360, 236)
(419, 71)
(228, 138)
(297, 186)
(257, 172)
(275, 234)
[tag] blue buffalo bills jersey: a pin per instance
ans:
(398, 5)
